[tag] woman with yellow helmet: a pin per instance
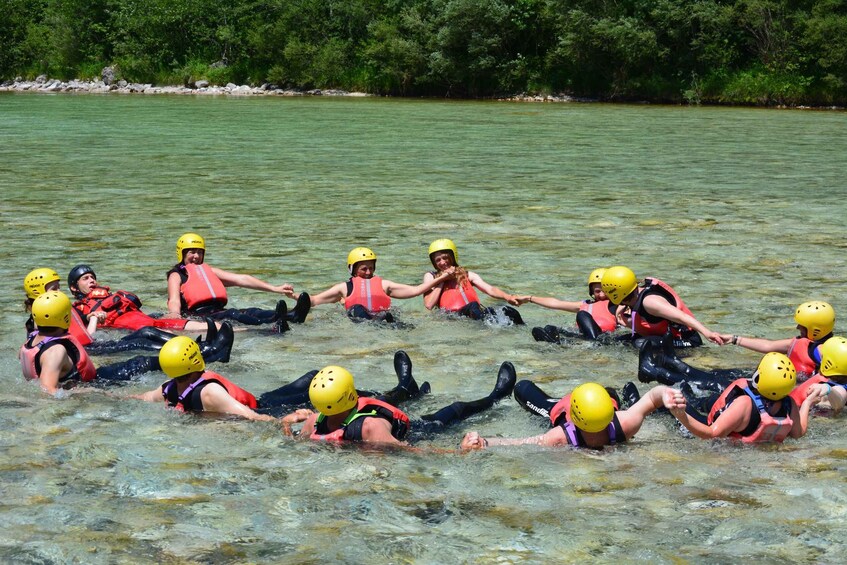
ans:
(342, 414)
(755, 410)
(587, 417)
(457, 291)
(815, 322)
(831, 380)
(656, 309)
(594, 316)
(367, 296)
(198, 289)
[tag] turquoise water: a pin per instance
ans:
(740, 210)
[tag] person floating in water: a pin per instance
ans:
(343, 415)
(587, 417)
(193, 388)
(57, 360)
(752, 410)
(42, 280)
(367, 296)
(656, 308)
(456, 293)
(119, 309)
(831, 380)
(198, 289)
(594, 317)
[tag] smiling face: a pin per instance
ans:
(86, 283)
(193, 256)
(442, 260)
(596, 291)
(364, 269)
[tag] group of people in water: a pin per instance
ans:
(765, 406)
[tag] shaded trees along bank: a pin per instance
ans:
(743, 51)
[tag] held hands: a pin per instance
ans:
(297, 416)
(522, 299)
(287, 289)
(473, 440)
(513, 300)
(674, 400)
(715, 337)
(447, 274)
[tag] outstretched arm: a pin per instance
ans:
(800, 416)
(632, 418)
(215, 398)
(251, 282)
(552, 303)
(336, 293)
(397, 290)
(492, 290)
(759, 344)
(432, 296)
(733, 419)
(555, 437)
(659, 306)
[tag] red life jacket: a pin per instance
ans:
(454, 297)
(367, 407)
(368, 293)
(30, 355)
(563, 407)
(599, 311)
(78, 329)
(114, 304)
(202, 287)
(800, 393)
(641, 326)
(798, 352)
(770, 429)
(232, 389)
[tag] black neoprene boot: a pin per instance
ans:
(407, 387)
(281, 318)
(219, 348)
(301, 309)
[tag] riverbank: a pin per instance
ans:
(45, 85)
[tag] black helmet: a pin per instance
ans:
(76, 274)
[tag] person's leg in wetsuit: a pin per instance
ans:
(297, 392)
(658, 362)
(359, 313)
(472, 310)
(587, 326)
(216, 350)
(459, 411)
(494, 314)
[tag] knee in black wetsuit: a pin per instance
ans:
(358, 313)
(587, 326)
(533, 399)
(125, 370)
(472, 310)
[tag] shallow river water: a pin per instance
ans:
(741, 210)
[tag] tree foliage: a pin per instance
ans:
(724, 51)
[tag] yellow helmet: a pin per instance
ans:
(181, 356)
(443, 245)
(834, 357)
(189, 241)
(817, 317)
(618, 283)
(332, 391)
(359, 254)
(37, 279)
(52, 310)
(596, 276)
(592, 409)
(776, 376)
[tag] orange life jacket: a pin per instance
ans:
(641, 326)
(798, 352)
(368, 293)
(599, 311)
(30, 355)
(454, 297)
(202, 287)
(232, 389)
(114, 304)
(367, 407)
(770, 429)
(800, 393)
(78, 329)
